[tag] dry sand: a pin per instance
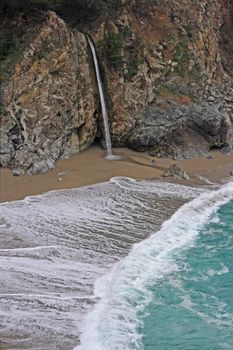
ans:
(91, 167)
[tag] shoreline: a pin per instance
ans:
(74, 176)
(90, 167)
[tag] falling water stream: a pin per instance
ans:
(110, 156)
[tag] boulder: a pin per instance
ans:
(175, 171)
(41, 167)
(180, 131)
(18, 172)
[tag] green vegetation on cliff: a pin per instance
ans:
(72, 10)
(120, 54)
(13, 43)
(111, 47)
(16, 6)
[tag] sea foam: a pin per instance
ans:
(54, 246)
(123, 293)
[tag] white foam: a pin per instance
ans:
(161, 188)
(222, 271)
(113, 157)
(56, 245)
(217, 319)
(46, 296)
(113, 322)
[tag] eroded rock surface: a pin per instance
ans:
(169, 51)
(49, 105)
(170, 129)
(175, 171)
(167, 74)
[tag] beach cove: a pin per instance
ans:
(79, 225)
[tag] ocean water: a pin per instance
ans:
(92, 268)
(174, 289)
(192, 308)
(54, 247)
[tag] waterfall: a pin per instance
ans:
(102, 101)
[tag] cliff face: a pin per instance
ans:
(49, 105)
(168, 80)
(169, 92)
(226, 42)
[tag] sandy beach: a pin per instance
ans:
(91, 167)
(55, 247)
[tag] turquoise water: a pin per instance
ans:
(174, 289)
(192, 308)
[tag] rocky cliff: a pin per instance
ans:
(168, 77)
(49, 108)
(169, 91)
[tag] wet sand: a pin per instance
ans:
(91, 167)
(37, 275)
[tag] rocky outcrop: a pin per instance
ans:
(167, 55)
(170, 129)
(167, 74)
(175, 171)
(49, 105)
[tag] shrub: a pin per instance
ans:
(111, 46)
